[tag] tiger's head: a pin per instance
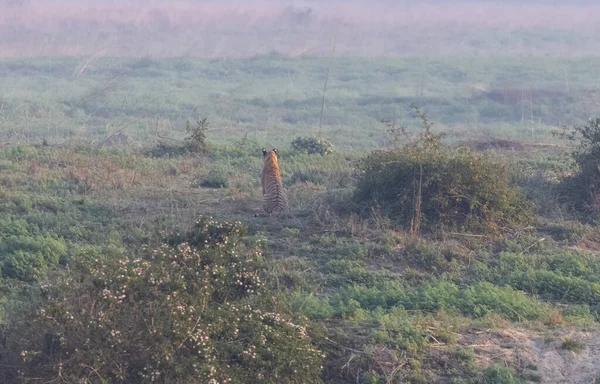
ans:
(270, 155)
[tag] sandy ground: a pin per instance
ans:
(537, 354)
(555, 365)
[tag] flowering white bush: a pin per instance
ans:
(196, 312)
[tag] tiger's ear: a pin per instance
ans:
(275, 150)
(264, 152)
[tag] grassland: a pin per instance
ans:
(389, 306)
(275, 98)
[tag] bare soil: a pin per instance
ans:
(537, 354)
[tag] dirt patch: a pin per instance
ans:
(558, 365)
(540, 355)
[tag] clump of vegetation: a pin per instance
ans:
(194, 143)
(196, 312)
(28, 258)
(217, 177)
(547, 274)
(425, 182)
(312, 145)
(500, 374)
(582, 189)
(572, 345)
(167, 149)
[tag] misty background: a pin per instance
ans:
(245, 28)
(94, 70)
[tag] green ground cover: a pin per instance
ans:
(347, 286)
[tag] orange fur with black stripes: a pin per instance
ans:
(274, 199)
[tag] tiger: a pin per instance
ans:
(274, 199)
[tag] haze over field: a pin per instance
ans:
(246, 28)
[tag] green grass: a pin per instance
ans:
(381, 300)
(276, 98)
(368, 283)
(572, 345)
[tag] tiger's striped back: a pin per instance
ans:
(274, 199)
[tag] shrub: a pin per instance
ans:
(572, 345)
(290, 233)
(581, 189)
(195, 312)
(196, 141)
(500, 374)
(312, 145)
(398, 330)
(426, 182)
(28, 258)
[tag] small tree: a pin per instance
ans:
(581, 189)
(196, 141)
(424, 182)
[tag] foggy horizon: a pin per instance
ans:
(238, 29)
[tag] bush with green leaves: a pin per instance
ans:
(426, 183)
(581, 189)
(195, 312)
(196, 141)
(500, 374)
(28, 258)
(312, 145)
